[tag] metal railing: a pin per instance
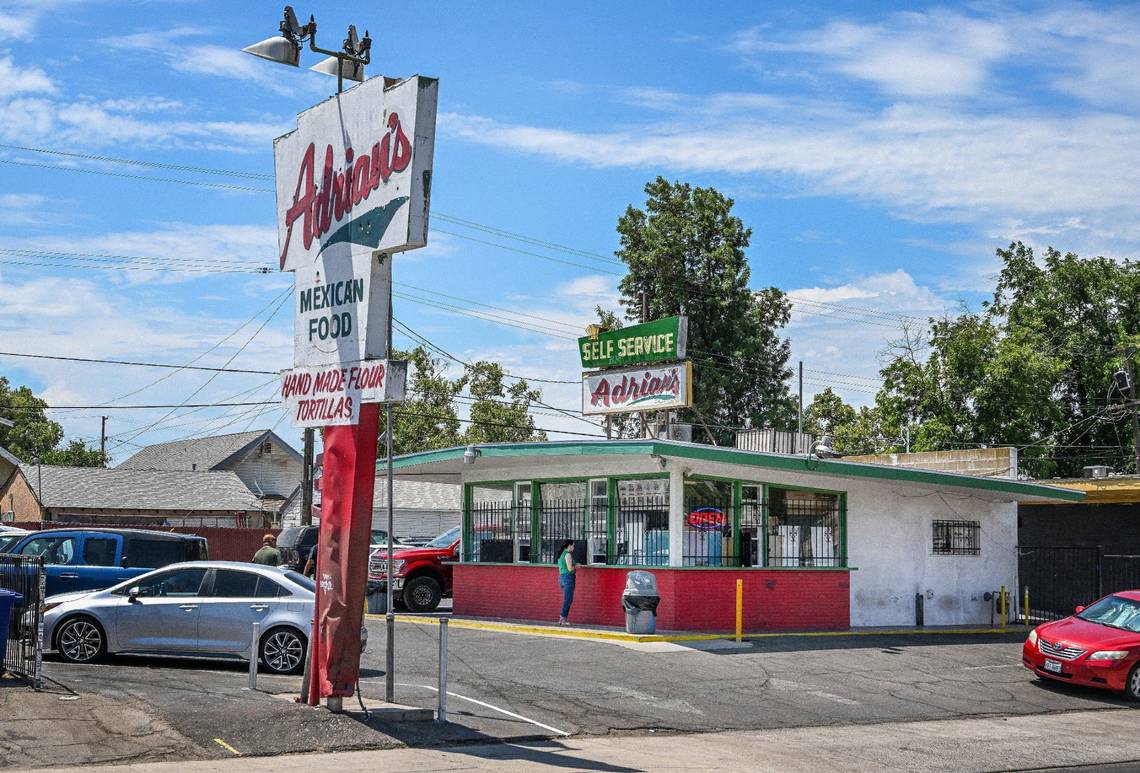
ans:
(1058, 579)
(641, 531)
(23, 655)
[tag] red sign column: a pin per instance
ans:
(347, 482)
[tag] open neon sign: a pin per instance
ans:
(707, 518)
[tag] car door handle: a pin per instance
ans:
(188, 607)
(69, 576)
(259, 607)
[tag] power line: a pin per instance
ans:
(135, 162)
(126, 175)
(134, 363)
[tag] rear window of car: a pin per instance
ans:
(305, 582)
(156, 553)
(99, 551)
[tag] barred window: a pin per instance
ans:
(957, 538)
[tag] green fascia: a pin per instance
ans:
(747, 458)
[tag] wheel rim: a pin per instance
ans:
(1135, 682)
(422, 595)
(282, 651)
(80, 641)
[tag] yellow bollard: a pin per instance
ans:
(1002, 608)
(739, 610)
(1025, 605)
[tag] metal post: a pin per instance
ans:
(1025, 605)
(254, 645)
(103, 440)
(307, 479)
(919, 617)
(390, 613)
(441, 715)
(1131, 354)
(38, 673)
(739, 611)
(1004, 611)
(800, 412)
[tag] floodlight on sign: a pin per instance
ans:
(277, 49)
(349, 70)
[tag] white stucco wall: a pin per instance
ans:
(889, 533)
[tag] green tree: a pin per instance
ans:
(34, 434)
(852, 430)
(75, 454)
(685, 255)
(500, 413)
(427, 419)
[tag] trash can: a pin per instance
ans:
(639, 600)
(8, 599)
(377, 598)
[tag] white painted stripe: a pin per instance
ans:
(982, 668)
(489, 706)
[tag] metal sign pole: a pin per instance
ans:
(390, 613)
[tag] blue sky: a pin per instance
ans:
(880, 153)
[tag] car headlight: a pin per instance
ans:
(397, 566)
(1033, 637)
(1109, 655)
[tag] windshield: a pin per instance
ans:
(444, 540)
(1115, 612)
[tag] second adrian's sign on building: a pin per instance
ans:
(628, 390)
(658, 341)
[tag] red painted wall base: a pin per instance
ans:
(691, 599)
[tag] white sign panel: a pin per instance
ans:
(324, 397)
(340, 310)
(355, 176)
(628, 390)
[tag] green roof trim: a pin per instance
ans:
(737, 456)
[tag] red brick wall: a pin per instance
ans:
(691, 599)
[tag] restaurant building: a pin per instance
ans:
(817, 543)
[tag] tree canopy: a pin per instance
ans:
(36, 437)
(1033, 368)
(685, 253)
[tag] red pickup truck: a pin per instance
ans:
(422, 575)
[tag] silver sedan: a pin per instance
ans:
(197, 609)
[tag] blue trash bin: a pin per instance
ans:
(8, 599)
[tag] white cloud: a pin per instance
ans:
(19, 18)
(22, 80)
(21, 208)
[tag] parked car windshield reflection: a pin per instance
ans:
(1115, 612)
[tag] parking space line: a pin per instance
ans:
(491, 707)
(227, 747)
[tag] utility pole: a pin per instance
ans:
(103, 439)
(307, 479)
(799, 412)
(1130, 353)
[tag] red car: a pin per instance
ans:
(423, 575)
(1097, 647)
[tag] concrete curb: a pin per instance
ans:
(532, 629)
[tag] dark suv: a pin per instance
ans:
(296, 542)
(93, 559)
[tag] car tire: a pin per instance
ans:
(422, 594)
(81, 639)
(1132, 685)
(282, 651)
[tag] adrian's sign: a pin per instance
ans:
(355, 175)
(324, 397)
(657, 341)
(653, 388)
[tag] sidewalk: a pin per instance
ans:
(600, 633)
(989, 744)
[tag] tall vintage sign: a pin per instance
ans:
(658, 341)
(353, 187)
(649, 388)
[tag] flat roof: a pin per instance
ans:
(448, 462)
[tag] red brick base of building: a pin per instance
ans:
(691, 599)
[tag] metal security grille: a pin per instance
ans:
(24, 654)
(708, 534)
(957, 538)
(492, 539)
(641, 531)
(804, 529)
(560, 520)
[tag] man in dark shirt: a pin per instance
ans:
(268, 555)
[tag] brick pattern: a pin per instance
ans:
(979, 462)
(691, 599)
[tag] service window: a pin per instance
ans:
(597, 525)
(522, 513)
(751, 525)
(153, 553)
(58, 550)
(492, 513)
(562, 516)
(641, 528)
(99, 551)
(707, 528)
(803, 529)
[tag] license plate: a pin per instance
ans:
(1053, 665)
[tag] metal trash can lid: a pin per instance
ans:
(640, 583)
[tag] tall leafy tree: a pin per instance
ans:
(685, 253)
(427, 419)
(36, 437)
(500, 412)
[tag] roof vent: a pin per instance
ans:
(1096, 471)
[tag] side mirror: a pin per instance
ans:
(1080, 608)
(133, 593)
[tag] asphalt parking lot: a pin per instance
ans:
(510, 686)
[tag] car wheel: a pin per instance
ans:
(283, 651)
(1132, 686)
(81, 640)
(422, 594)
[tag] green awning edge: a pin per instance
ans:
(737, 456)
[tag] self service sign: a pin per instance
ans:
(657, 341)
